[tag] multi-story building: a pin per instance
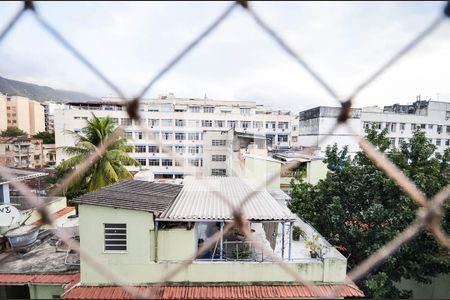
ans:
(179, 124)
(432, 117)
(21, 152)
(21, 112)
(49, 114)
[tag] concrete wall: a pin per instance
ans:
(37, 117)
(261, 170)
(42, 291)
(3, 118)
(315, 171)
(176, 244)
(438, 289)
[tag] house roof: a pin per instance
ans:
(215, 292)
(133, 194)
(200, 200)
(39, 278)
(18, 175)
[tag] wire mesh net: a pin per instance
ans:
(429, 210)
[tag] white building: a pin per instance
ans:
(178, 123)
(400, 120)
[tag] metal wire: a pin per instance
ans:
(429, 212)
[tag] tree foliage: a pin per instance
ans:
(12, 132)
(47, 137)
(108, 169)
(358, 206)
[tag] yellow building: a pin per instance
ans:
(21, 112)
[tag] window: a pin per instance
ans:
(166, 122)
(245, 111)
(139, 135)
(219, 123)
(166, 108)
(179, 136)
(180, 149)
(193, 136)
(402, 126)
(282, 138)
(193, 123)
(245, 124)
(219, 158)
(294, 139)
(180, 123)
(153, 122)
(140, 122)
(430, 126)
(392, 142)
(258, 124)
(194, 109)
(219, 142)
(448, 129)
(142, 161)
(447, 143)
(439, 128)
(208, 109)
(115, 121)
(270, 125)
(166, 162)
(283, 125)
(366, 125)
(153, 149)
(115, 237)
(194, 162)
(232, 124)
(153, 107)
(125, 121)
(438, 142)
(206, 123)
(140, 149)
(166, 136)
(401, 141)
(377, 125)
(218, 172)
(128, 135)
(294, 128)
(194, 149)
(423, 126)
(413, 126)
(393, 127)
(153, 162)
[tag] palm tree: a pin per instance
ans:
(109, 168)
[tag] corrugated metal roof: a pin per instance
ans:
(133, 194)
(215, 292)
(199, 200)
(39, 278)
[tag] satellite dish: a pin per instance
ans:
(8, 215)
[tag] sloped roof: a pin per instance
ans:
(200, 200)
(18, 175)
(216, 292)
(133, 194)
(39, 278)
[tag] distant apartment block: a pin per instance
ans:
(49, 115)
(22, 152)
(21, 112)
(180, 124)
(433, 117)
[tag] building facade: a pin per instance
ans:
(432, 117)
(21, 112)
(22, 152)
(179, 124)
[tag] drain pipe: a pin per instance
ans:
(290, 242)
(156, 241)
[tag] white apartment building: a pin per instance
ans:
(433, 117)
(178, 123)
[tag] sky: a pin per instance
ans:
(344, 42)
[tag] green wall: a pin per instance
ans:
(438, 289)
(40, 291)
(176, 244)
(261, 170)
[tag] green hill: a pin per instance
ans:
(39, 93)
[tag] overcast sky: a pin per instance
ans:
(344, 41)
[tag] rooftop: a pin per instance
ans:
(133, 194)
(18, 175)
(199, 200)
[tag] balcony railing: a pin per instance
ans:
(235, 251)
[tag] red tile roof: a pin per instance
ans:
(214, 292)
(39, 278)
(58, 214)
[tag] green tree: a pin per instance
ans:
(47, 137)
(12, 132)
(108, 169)
(359, 207)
